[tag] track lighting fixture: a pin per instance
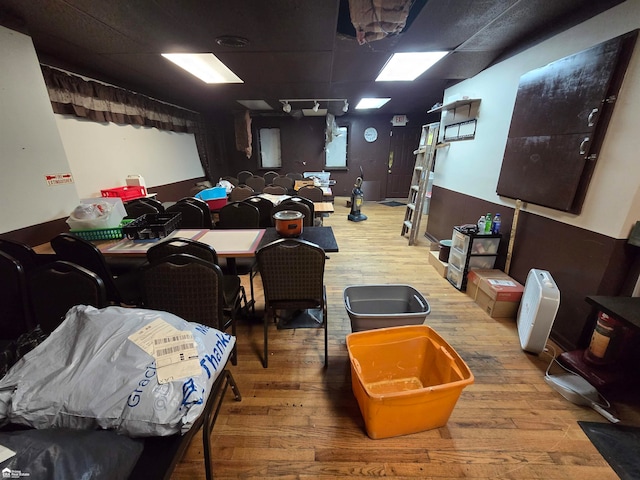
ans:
(332, 104)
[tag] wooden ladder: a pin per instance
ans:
(418, 190)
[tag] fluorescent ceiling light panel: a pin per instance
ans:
(255, 104)
(371, 103)
(206, 66)
(408, 66)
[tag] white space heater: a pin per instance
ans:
(538, 308)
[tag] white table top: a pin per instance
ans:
(233, 243)
(275, 199)
(227, 243)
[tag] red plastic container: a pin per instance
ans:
(216, 204)
(128, 192)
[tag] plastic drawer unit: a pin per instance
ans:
(470, 251)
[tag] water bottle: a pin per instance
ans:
(495, 227)
(487, 223)
(481, 225)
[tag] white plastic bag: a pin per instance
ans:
(228, 186)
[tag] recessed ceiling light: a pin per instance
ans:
(371, 103)
(408, 66)
(206, 66)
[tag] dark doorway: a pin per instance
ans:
(404, 141)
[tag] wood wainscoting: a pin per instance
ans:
(581, 262)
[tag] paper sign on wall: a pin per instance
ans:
(58, 178)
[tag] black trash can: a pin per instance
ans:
(445, 248)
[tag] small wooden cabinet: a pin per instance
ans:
(470, 251)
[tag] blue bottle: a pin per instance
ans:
(495, 225)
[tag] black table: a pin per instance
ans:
(321, 236)
(619, 376)
(626, 309)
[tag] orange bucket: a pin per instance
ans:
(406, 379)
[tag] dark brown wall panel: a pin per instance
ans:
(302, 143)
(581, 262)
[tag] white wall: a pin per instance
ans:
(30, 145)
(472, 167)
(34, 142)
(101, 155)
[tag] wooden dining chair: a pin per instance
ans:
(192, 215)
(269, 176)
(312, 192)
(243, 175)
(288, 204)
(22, 252)
(295, 176)
(285, 182)
(292, 272)
(241, 215)
(233, 293)
(304, 200)
(256, 182)
(138, 207)
(16, 317)
(189, 287)
(154, 203)
(240, 193)
(264, 206)
(121, 289)
(56, 287)
(232, 180)
(274, 190)
(207, 222)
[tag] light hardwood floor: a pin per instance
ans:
(298, 420)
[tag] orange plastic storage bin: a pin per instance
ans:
(406, 379)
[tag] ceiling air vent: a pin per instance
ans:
(232, 41)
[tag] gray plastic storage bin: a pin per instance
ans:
(379, 306)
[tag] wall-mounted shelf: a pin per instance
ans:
(459, 122)
(454, 105)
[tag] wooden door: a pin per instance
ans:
(404, 141)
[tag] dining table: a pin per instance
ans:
(228, 244)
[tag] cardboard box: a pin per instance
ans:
(496, 292)
(439, 265)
